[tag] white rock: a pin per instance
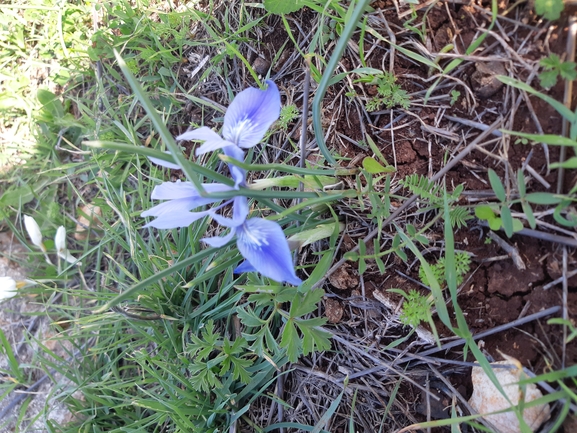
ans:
(486, 399)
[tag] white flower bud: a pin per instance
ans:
(34, 232)
(60, 240)
(7, 287)
(60, 245)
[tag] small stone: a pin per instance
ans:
(333, 310)
(484, 80)
(261, 66)
(344, 277)
(486, 398)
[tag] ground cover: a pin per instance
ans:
(417, 109)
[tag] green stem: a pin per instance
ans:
(331, 66)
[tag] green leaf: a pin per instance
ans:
(304, 304)
(353, 256)
(320, 271)
(517, 225)
(373, 166)
(550, 9)
(249, 318)
(555, 140)
(307, 237)
(548, 79)
(484, 212)
(551, 62)
(521, 184)
(568, 70)
(562, 109)
(570, 163)
(380, 265)
(529, 214)
(543, 198)
(497, 186)
(507, 220)
(376, 150)
(293, 181)
(17, 196)
(50, 103)
(313, 338)
(495, 224)
(290, 341)
(283, 6)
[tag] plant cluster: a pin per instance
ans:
(261, 242)
(389, 93)
(553, 68)
(462, 267)
(416, 308)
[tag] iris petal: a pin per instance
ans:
(237, 173)
(164, 163)
(212, 141)
(178, 189)
(239, 213)
(218, 241)
(204, 133)
(244, 267)
(173, 214)
(264, 245)
(250, 115)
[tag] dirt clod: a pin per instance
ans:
(333, 310)
(506, 279)
(261, 66)
(344, 278)
(484, 80)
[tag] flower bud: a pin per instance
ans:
(60, 245)
(7, 287)
(34, 232)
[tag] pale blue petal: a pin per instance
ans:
(239, 213)
(250, 115)
(173, 214)
(264, 245)
(174, 190)
(211, 146)
(178, 189)
(244, 267)
(218, 241)
(212, 141)
(164, 163)
(204, 133)
(237, 173)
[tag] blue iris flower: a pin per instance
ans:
(261, 242)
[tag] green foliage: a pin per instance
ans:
(462, 267)
(288, 114)
(455, 95)
(433, 194)
(572, 328)
(416, 308)
(553, 67)
(214, 358)
(300, 335)
(421, 28)
(550, 9)
(389, 93)
(283, 6)
(371, 165)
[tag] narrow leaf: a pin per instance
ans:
(507, 220)
(497, 186)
